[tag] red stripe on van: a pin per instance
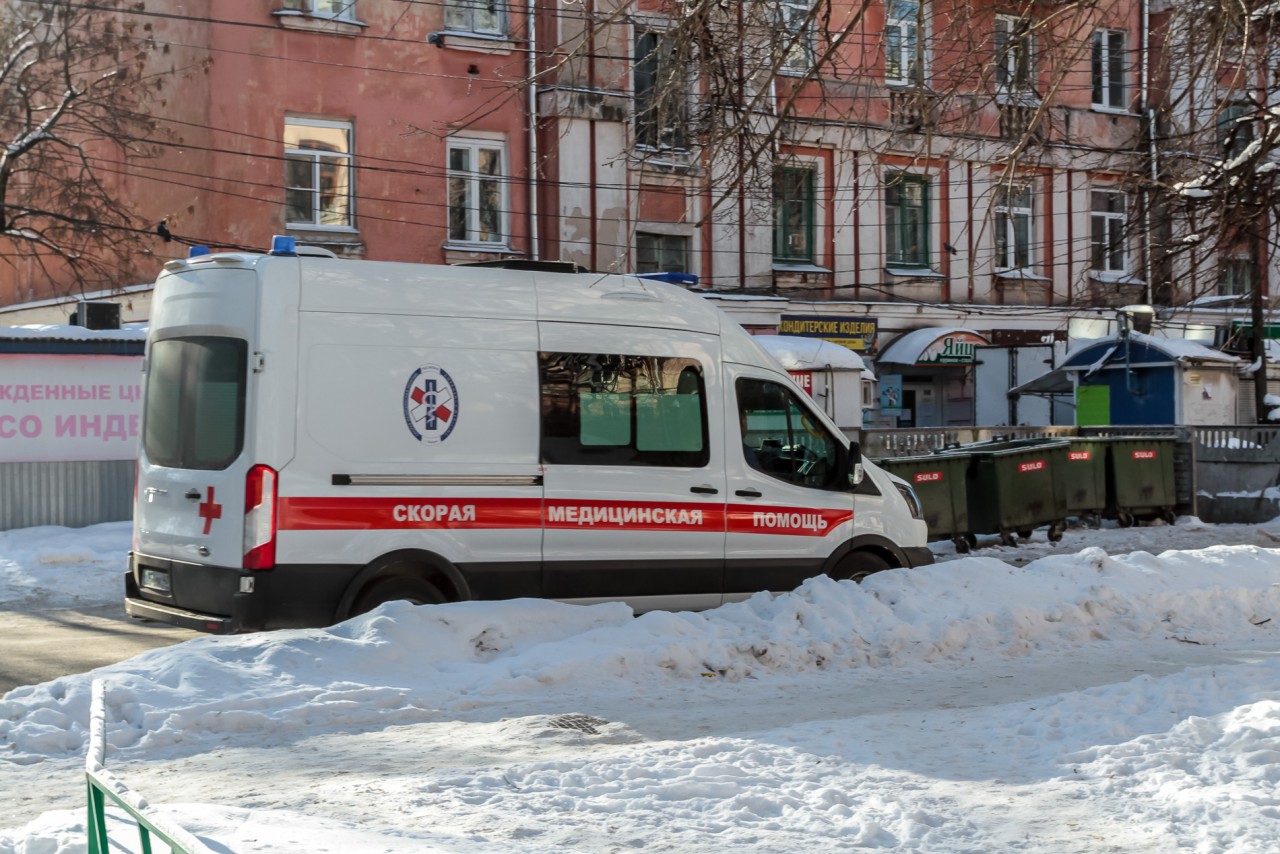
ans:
(381, 514)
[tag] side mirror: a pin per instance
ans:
(856, 471)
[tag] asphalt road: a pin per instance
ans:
(38, 646)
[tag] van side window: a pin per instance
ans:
(782, 438)
(194, 416)
(606, 409)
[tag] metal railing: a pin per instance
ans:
(104, 786)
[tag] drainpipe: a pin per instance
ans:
(534, 187)
(1149, 114)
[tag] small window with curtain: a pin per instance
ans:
(903, 47)
(661, 253)
(906, 219)
(482, 17)
(1109, 220)
(1012, 227)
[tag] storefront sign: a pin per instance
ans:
(69, 408)
(856, 333)
(957, 348)
(804, 379)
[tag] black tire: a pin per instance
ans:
(1008, 538)
(1125, 518)
(1169, 516)
(859, 566)
(1056, 531)
(407, 588)
(971, 540)
(1025, 534)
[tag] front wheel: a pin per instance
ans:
(859, 566)
(401, 588)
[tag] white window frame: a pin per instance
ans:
(1009, 61)
(803, 53)
(473, 178)
(1103, 74)
(1229, 265)
(316, 8)
(910, 40)
(1110, 221)
(1014, 203)
(316, 156)
(468, 10)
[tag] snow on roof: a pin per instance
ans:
(1177, 349)
(63, 332)
(806, 354)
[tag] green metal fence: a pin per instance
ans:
(103, 786)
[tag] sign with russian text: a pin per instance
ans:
(856, 333)
(69, 408)
(957, 348)
(804, 379)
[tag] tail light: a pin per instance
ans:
(260, 518)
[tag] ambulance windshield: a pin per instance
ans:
(194, 406)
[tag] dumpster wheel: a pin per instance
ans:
(1056, 530)
(1125, 518)
(1008, 538)
(962, 544)
(1169, 515)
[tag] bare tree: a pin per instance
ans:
(75, 81)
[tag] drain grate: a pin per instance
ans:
(582, 723)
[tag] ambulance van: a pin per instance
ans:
(321, 436)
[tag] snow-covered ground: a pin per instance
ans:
(1110, 695)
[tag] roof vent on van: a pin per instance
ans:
(527, 264)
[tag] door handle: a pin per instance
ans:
(193, 494)
(704, 490)
(748, 493)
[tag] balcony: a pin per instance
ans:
(911, 109)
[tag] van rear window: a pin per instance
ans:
(194, 413)
(605, 409)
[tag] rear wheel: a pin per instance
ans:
(858, 566)
(401, 588)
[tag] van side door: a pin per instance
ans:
(633, 472)
(790, 505)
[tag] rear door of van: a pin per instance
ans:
(193, 461)
(790, 506)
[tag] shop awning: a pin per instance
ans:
(933, 346)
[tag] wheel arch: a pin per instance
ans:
(872, 543)
(410, 563)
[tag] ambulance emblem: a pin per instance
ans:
(430, 404)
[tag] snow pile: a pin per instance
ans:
(60, 567)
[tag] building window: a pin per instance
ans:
(623, 410)
(341, 9)
(1108, 69)
(1013, 228)
(1108, 223)
(477, 192)
(793, 214)
(796, 34)
(1235, 128)
(485, 17)
(903, 48)
(318, 173)
(661, 253)
(1013, 54)
(661, 103)
(1235, 277)
(906, 219)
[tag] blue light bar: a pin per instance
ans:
(687, 279)
(283, 244)
(197, 251)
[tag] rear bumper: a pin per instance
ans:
(226, 600)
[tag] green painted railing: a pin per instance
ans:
(103, 786)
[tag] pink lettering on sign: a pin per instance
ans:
(1144, 455)
(1079, 455)
(928, 476)
(1037, 465)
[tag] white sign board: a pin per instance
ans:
(56, 408)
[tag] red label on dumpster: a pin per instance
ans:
(1038, 465)
(1079, 455)
(1144, 455)
(928, 476)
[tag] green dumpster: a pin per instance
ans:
(1015, 487)
(939, 483)
(1085, 478)
(1140, 479)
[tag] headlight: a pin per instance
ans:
(913, 503)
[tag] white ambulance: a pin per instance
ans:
(321, 436)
